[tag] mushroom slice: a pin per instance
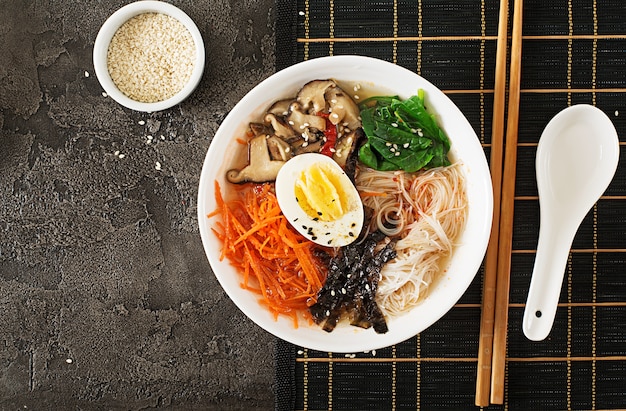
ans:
(281, 128)
(279, 149)
(261, 167)
(311, 136)
(343, 109)
(345, 145)
(306, 147)
(260, 128)
(300, 121)
(311, 95)
(280, 108)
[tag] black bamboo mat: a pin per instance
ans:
(574, 51)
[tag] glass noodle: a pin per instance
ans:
(426, 211)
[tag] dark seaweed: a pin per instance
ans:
(351, 285)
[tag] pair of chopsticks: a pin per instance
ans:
(494, 317)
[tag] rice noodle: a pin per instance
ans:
(427, 212)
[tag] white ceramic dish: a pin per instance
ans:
(467, 257)
(114, 22)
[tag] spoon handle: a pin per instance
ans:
(547, 279)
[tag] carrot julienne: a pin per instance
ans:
(275, 261)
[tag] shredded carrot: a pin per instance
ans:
(275, 261)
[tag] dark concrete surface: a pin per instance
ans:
(107, 300)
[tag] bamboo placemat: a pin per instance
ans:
(574, 51)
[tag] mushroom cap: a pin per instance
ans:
(311, 95)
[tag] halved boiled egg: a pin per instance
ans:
(319, 200)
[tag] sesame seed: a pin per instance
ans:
(327, 313)
(301, 13)
(69, 361)
(334, 101)
(306, 143)
(116, 153)
(405, 145)
(335, 115)
(343, 290)
(151, 57)
(616, 113)
(397, 153)
(122, 155)
(332, 292)
(291, 123)
(356, 97)
(394, 124)
(388, 144)
(288, 149)
(306, 124)
(104, 94)
(86, 74)
(419, 133)
(300, 352)
(141, 122)
(157, 165)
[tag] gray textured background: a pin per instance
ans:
(107, 300)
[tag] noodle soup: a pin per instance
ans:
(364, 266)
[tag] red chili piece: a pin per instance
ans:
(331, 136)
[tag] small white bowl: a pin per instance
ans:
(467, 256)
(110, 27)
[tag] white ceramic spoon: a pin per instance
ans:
(576, 159)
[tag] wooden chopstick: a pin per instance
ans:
(485, 342)
(505, 242)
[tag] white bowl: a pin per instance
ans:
(114, 22)
(467, 257)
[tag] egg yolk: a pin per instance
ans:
(320, 194)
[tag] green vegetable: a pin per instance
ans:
(401, 135)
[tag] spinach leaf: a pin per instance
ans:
(402, 135)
